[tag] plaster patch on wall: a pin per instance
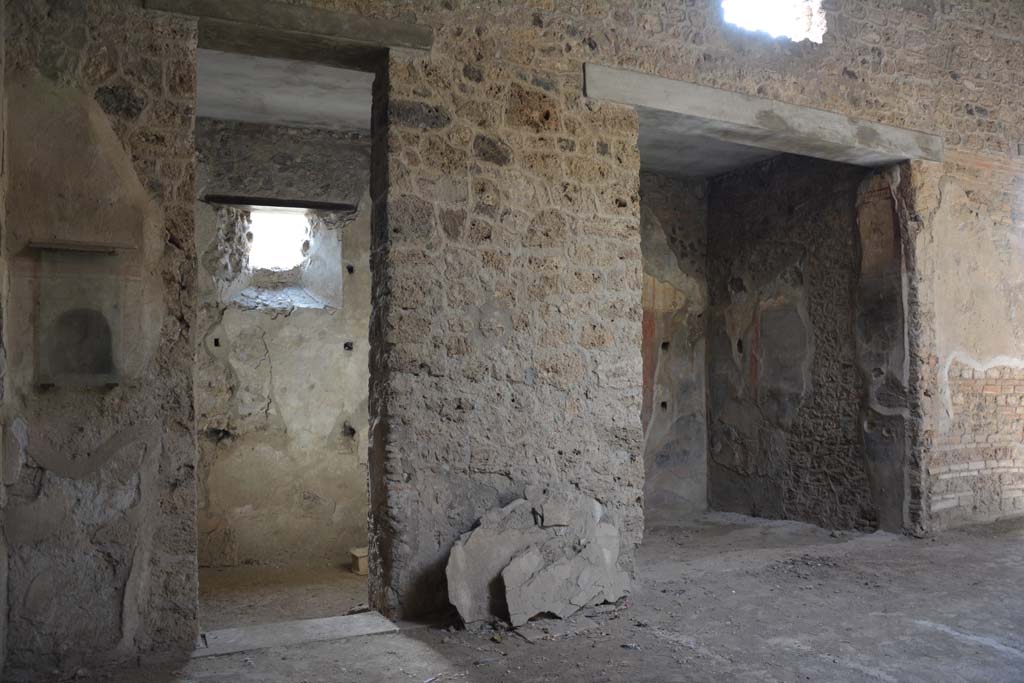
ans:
(672, 226)
(972, 264)
(106, 571)
(975, 321)
(979, 366)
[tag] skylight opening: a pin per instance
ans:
(794, 19)
(279, 238)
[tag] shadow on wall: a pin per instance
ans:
(80, 342)
(802, 343)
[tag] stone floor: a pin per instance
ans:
(244, 596)
(725, 598)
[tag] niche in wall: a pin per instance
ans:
(78, 313)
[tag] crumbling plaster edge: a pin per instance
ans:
(972, 362)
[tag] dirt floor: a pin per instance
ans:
(244, 596)
(726, 598)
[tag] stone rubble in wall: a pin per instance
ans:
(553, 552)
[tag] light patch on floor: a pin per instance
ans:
(231, 597)
(971, 638)
(246, 638)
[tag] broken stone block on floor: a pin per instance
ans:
(590, 577)
(552, 552)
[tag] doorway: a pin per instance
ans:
(281, 381)
(774, 344)
(776, 378)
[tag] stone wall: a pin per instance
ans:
(506, 329)
(282, 162)
(282, 375)
(101, 512)
(500, 177)
(673, 226)
(880, 63)
(3, 336)
(784, 391)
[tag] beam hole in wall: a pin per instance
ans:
(797, 20)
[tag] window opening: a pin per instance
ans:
(278, 238)
(794, 19)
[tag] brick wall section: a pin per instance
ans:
(968, 284)
(977, 466)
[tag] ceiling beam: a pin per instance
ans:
(272, 29)
(761, 123)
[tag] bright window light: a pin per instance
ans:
(794, 19)
(277, 238)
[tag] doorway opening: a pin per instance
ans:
(762, 340)
(281, 380)
(775, 345)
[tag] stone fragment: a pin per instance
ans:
(492, 150)
(476, 560)
(555, 629)
(452, 221)
(591, 577)
(418, 115)
(411, 216)
(533, 109)
(547, 229)
(473, 73)
(120, 100)
(555, 513)
(552, 552)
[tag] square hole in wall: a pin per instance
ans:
(794, 19)
(279, 238)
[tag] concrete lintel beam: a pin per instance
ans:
(767, 124)
(241, 20)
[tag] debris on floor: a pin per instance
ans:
(553, 629)
(555, 552)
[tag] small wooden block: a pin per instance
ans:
(360, 561)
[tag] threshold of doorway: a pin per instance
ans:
(231, 640)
